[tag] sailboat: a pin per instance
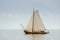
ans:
(35, 24)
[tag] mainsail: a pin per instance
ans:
(35, 23)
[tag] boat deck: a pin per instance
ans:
(41, 32)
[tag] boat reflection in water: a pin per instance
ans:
(36, 36)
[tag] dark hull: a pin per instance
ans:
(26, 32)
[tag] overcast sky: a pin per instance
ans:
(16, 12)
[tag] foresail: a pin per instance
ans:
(29, 25)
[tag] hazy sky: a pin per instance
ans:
(16, 12)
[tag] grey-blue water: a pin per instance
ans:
(20, 35)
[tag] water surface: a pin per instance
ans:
(20, 35)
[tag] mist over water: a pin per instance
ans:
(16, 12)
(20, 35)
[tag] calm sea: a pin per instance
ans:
(20, 35)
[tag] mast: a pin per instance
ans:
(33, 22)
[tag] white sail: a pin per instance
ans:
(29, 25)
(35, 23)
(38, 24)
